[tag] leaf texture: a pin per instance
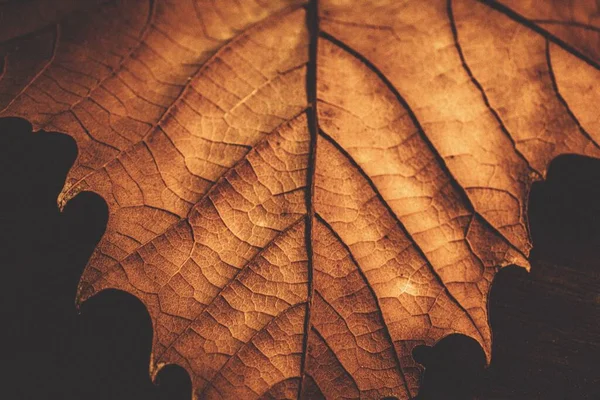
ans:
(300, 194)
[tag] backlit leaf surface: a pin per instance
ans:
(300, 194)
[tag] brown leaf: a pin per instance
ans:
(300, 196)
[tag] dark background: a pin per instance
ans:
(546, 324)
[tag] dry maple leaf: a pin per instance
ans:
(301, 194)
